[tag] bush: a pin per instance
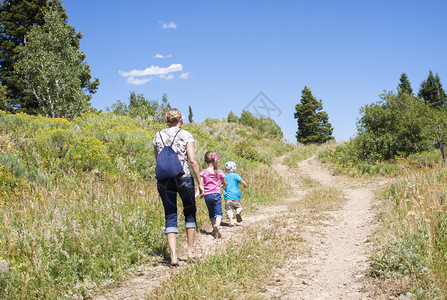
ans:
(396, 126)
(244, 150)
(13, 163)
(264, 125)
(88, 153)
(7, 181)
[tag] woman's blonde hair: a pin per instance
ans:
(173, 117)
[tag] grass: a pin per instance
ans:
(412, 245)
(79, 208)
(239, 270)
(299, 154)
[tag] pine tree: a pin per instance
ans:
(313, 123)
(162, 108)
(17, 17)
(232, 117)
(3, 98)
(49, 66)
(404, 86)
(431, 91)
(190, 115)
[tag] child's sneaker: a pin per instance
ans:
(238, 218)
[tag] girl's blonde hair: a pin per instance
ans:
(173, 117)
(212, 158)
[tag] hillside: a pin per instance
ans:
(79, 206)
(81, 217)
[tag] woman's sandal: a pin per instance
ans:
(217, 233)
(174, 265)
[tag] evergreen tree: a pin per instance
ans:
(404, 86)
(142, 107)
(3, 99)
(49, 66)
(232, 117)
(17, 17)
(313, 123)
(190, 115)
(431, 91)
(163, 107)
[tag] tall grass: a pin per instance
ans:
(413, 243)
(78, 201)
(237, 271)
(343, 159)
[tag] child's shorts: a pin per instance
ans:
(214, 204)
(232, 204)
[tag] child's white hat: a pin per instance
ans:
(230, 165)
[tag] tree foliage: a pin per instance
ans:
(313, 123)
(50, 67)
(3, 98)
(232, 117)
(397, 125)
(17, 18)
(190, 115)
(141, 107)
(431, 91)
(264, 125)
(404, 86)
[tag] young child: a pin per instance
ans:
(212, 179)
(232, 193)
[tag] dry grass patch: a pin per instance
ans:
(239, 270)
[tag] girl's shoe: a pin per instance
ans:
(238, 218)
(231, 225)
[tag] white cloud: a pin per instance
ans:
(158, 55)
(136, 81)
(184, 75)
(167, 77)
(152, 70)
(170, 25)
(147, 74)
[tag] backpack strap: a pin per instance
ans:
(163, 142)
(172, 143)
(159, 134)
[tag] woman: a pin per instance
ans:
(183, 144)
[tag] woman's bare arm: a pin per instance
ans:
(195, 166)
(155, 152)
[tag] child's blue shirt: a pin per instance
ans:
(232, 191)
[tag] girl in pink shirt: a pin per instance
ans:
(213, 178)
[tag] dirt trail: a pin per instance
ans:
(338, 245)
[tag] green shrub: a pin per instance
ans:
(53, 143)
(88, 153)
(244, 150)
(13, 162)
(398, 125)
(7, 182)
(264, 125)
(404, 258)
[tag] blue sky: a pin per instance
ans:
(217, 56)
